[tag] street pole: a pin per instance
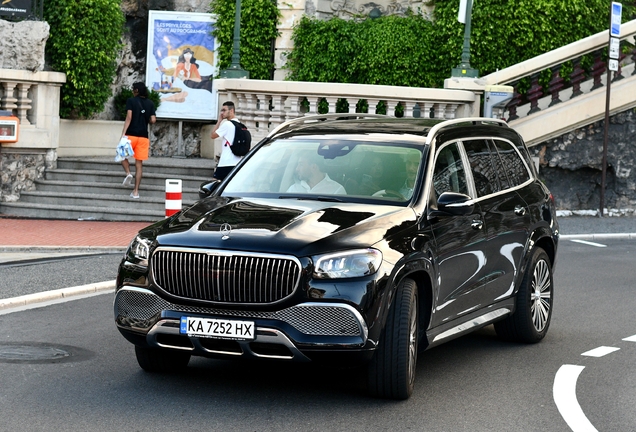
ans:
(464, 69)
(235, 70)
(616, 10)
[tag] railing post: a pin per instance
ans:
(555, 85)
(618, 75)
(24, 103)
(598, 68)
(8, 101)
(373, 105)
(576, 77)
(352, 105)
(514, 103)
(534, 94)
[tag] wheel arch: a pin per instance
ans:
(419, 273)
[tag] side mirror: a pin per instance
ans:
(453, 204)
(206, 188)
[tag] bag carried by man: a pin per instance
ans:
(124, 150)
(242, 139)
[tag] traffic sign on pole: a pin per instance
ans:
(615, 26)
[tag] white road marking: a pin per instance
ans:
(630, 339)
(589, 243)
(564, 393)
(600, 351)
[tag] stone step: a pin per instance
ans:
(169, 167)
(113, 177)
(92, 200)
(154, 191)
(46, 211)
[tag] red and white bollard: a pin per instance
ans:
(173, 196)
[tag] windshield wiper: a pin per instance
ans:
(311, 198)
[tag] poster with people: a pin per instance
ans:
(181, 63)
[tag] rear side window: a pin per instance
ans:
(449, 174)
(514, 166)
(486, 174)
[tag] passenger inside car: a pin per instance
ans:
(369, 177)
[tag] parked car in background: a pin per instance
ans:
(349, 238)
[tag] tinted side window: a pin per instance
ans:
(482, 166)
(449, 174)
(515, 168)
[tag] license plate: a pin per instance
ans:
(217, 328)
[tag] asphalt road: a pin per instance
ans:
(28, 277)
(474, 383)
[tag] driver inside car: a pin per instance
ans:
(312, 177)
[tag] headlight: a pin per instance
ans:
(347, 264)
(139, 249)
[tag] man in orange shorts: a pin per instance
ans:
(140, 112)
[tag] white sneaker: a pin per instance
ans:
(134, 196)
(128, 180)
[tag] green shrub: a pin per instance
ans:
(258, 32)
(412, 51)
(84, 40)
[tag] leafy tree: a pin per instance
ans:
(84, 41)
(258, 31)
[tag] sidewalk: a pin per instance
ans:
(38, 233)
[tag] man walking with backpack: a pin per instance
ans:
(225, 128)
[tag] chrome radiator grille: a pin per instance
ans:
(225, 277)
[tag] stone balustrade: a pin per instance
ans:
(574, 98)
(34, 98)
(263, 105)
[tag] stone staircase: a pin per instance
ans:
(91, 189)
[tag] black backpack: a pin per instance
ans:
(242, 139)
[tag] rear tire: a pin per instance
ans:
(531, 319)
(391, 372)
(161, 360)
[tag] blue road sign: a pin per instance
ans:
(615, 27)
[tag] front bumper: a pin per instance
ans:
(294, 333)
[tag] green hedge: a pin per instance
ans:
(84, 40)
(411, 51)
(258, 31)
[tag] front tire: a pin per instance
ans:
(161, 360)
(531, 319)
(392, 369)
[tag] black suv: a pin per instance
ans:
(361, 238)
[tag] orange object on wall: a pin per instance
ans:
(9, 127)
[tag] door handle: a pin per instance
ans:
(520, 211)
(477, 224)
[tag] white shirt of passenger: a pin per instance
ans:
(226, 132)
(324, 186)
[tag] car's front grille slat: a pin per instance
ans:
(225, 277)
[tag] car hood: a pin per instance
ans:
(288, 226)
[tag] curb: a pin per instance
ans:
(621, 236)
(58, 294)
(64, 249)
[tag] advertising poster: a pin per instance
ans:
(180, 64)
(15, 8)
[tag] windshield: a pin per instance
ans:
(329, 169)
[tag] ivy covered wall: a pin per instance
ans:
(413, 51)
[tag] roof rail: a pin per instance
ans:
(476, 120)
(321, 117)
